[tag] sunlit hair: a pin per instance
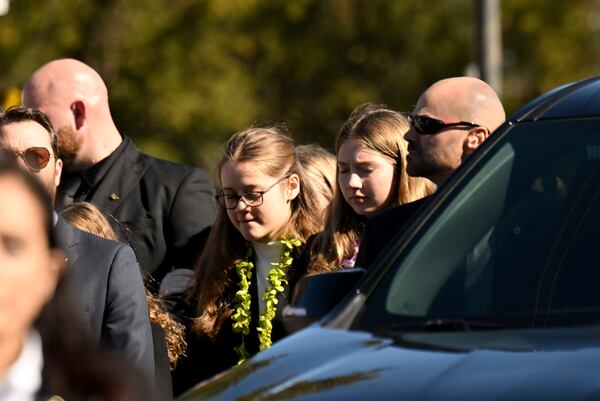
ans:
(19, 114)
(272, 152)
(87, 217)
(382, 130)
(320, 168)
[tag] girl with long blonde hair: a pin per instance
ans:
(371, 177)
(247, 269)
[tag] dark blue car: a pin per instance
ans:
(492, 293)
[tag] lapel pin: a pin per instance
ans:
(114, 196)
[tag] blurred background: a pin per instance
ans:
(183, 75)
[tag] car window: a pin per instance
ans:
(517, 243)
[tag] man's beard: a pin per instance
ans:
(414, 164)
(421, 164)
(419, 168)
(69, 144)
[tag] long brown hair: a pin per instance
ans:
(382, 130)
(271, 151)
(87, 217)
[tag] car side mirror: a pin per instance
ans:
(316, 295)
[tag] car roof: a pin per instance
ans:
(574, 100)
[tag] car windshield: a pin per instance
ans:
(516, 244)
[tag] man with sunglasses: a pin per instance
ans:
(162, 209)
(452, 118)
(112, 300)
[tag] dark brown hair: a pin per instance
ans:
(18, 114)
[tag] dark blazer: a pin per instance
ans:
(91, 375)
(382, 228)
(82, 373)
(76, 371)
(162, 368)
(112, 296)
(162, 208)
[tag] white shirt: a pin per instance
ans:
(266, 253)
(24, 377)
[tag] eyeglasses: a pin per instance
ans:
(428, 126)
(36, 158)
(252, 199)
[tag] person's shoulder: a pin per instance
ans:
(159, 165)
(175, 171)
(98, 244)
(395, 213)
(390, 213)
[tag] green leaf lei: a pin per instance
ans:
(242, 301)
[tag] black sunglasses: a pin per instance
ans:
(428, 126)
(36, 158)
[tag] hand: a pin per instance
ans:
(176, 282)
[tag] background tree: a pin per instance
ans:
(186, 74)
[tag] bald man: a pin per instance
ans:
(452, 118)
(162, 209)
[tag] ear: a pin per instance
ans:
(293, 186)
(57, 172)
(475, 138)
(78, 110)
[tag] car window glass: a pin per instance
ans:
(515, 244)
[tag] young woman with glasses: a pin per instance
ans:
(246, 272)
(371, 177)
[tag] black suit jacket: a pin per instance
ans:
(76, 372)
(162, 208)
(162, 368)
(112, 298)
(381, 229)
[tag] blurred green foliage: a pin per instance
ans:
(184, 75)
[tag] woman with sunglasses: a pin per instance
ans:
(371, 177)
(247, 269)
